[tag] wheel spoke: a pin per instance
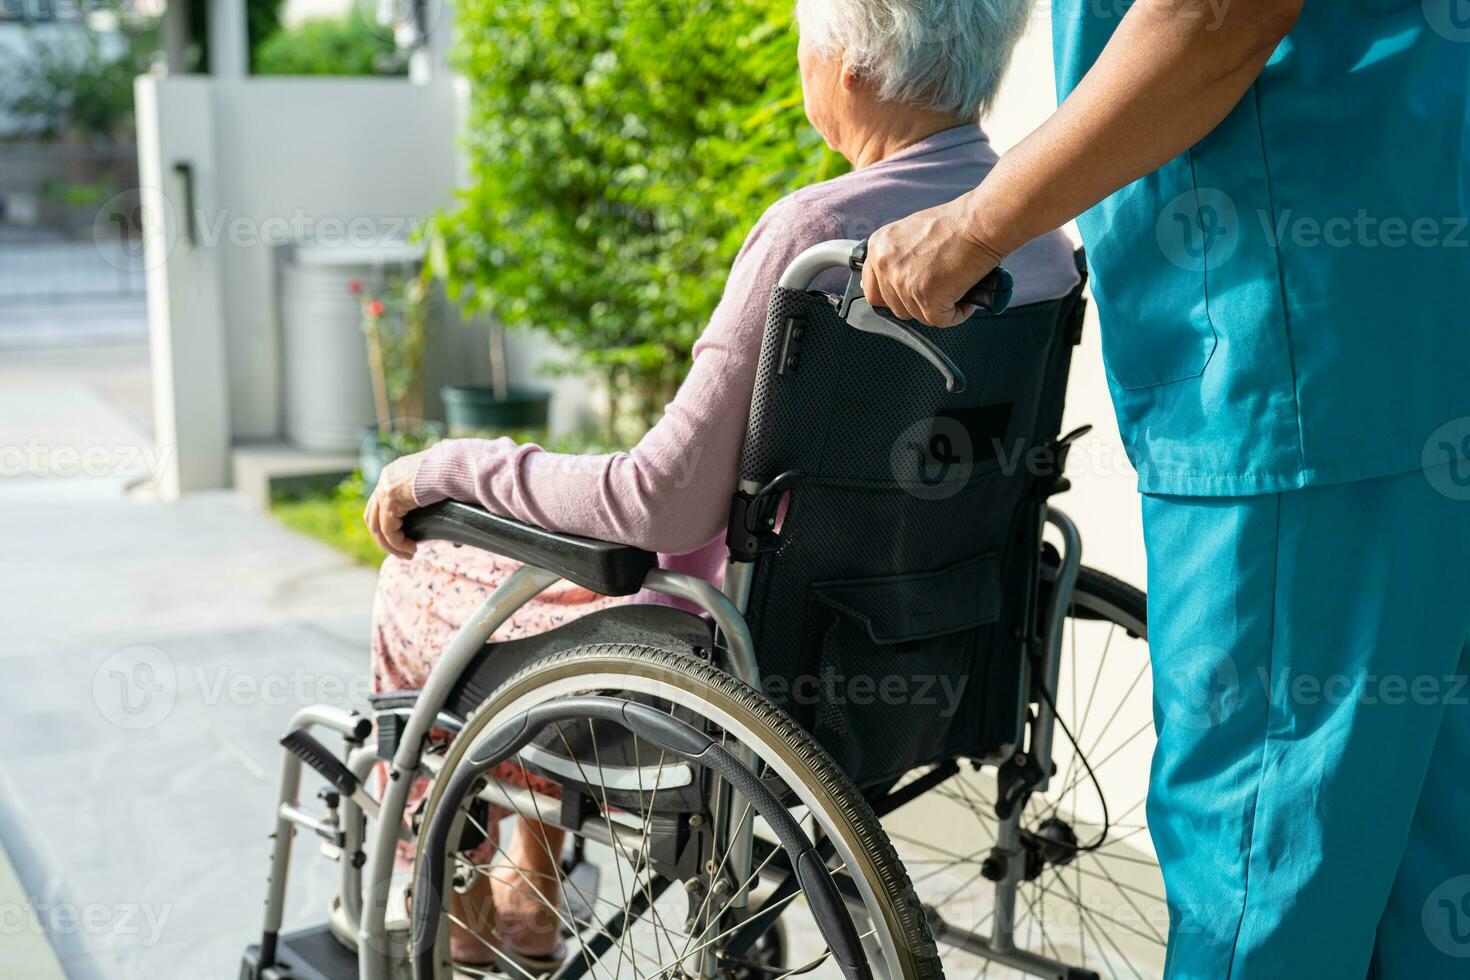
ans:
(1148, 726)
(1085, 917)
(644, 850)
(1047, 945)
(1092, 693)
(565, 920)
(500, 955)
(1123, 889)
(1085, 909)
(1105, 678)
(1071, 783)
(706, 944)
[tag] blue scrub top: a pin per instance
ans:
(1288, 302)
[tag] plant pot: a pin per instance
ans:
(376, 451)
(474, 408)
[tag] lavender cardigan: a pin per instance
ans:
(671, 492)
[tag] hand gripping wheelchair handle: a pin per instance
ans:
(993, 293)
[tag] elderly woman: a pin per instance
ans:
(895, 86)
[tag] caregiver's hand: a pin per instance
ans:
(390, 502)
(920, 267)
(1171, 71)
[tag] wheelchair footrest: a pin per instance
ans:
(310, 954)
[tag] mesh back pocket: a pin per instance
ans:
(890, 670)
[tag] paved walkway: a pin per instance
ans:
(22, 933)
(152, 655)
(27, 324)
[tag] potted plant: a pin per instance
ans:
(395, 317)
(498, 405)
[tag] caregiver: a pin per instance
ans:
(1273, 196)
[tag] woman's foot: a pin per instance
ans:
(526, 886)
(472, 935)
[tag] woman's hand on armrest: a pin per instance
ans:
(390, 503)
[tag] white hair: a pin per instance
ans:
(948, 55)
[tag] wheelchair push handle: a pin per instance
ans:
(992, 294)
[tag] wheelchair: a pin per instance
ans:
(900, 740)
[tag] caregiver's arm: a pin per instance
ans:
(1171, 72)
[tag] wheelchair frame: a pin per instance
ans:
(366, 911)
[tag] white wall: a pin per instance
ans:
(295, 12)
(274, 159)
(315, 155)
(186, 321)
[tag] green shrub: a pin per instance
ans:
(74, 82)
(619, 151)
(262, 19)
(80, 195)
(345, 46)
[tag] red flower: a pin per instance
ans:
(375, 308)
(355, 287)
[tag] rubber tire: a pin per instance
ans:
(901, 910)
(1115, 592)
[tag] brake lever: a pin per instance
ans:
(854, 308)
(993, 293)
(861, 315)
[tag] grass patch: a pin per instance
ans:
(333, 518)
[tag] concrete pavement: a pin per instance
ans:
(23, 936)
(152, 656)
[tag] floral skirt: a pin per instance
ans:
(422, 603)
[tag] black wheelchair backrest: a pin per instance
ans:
(890, 616)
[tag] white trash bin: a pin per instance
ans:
(328, 390)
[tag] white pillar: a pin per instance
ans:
(430, 60)
(186, 327)
(229, 47)
(175, 36)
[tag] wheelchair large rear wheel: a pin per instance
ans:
(1090, 899)
(647, 889)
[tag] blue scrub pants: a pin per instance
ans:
(1310, 795)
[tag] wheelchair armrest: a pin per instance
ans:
(603, 567)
